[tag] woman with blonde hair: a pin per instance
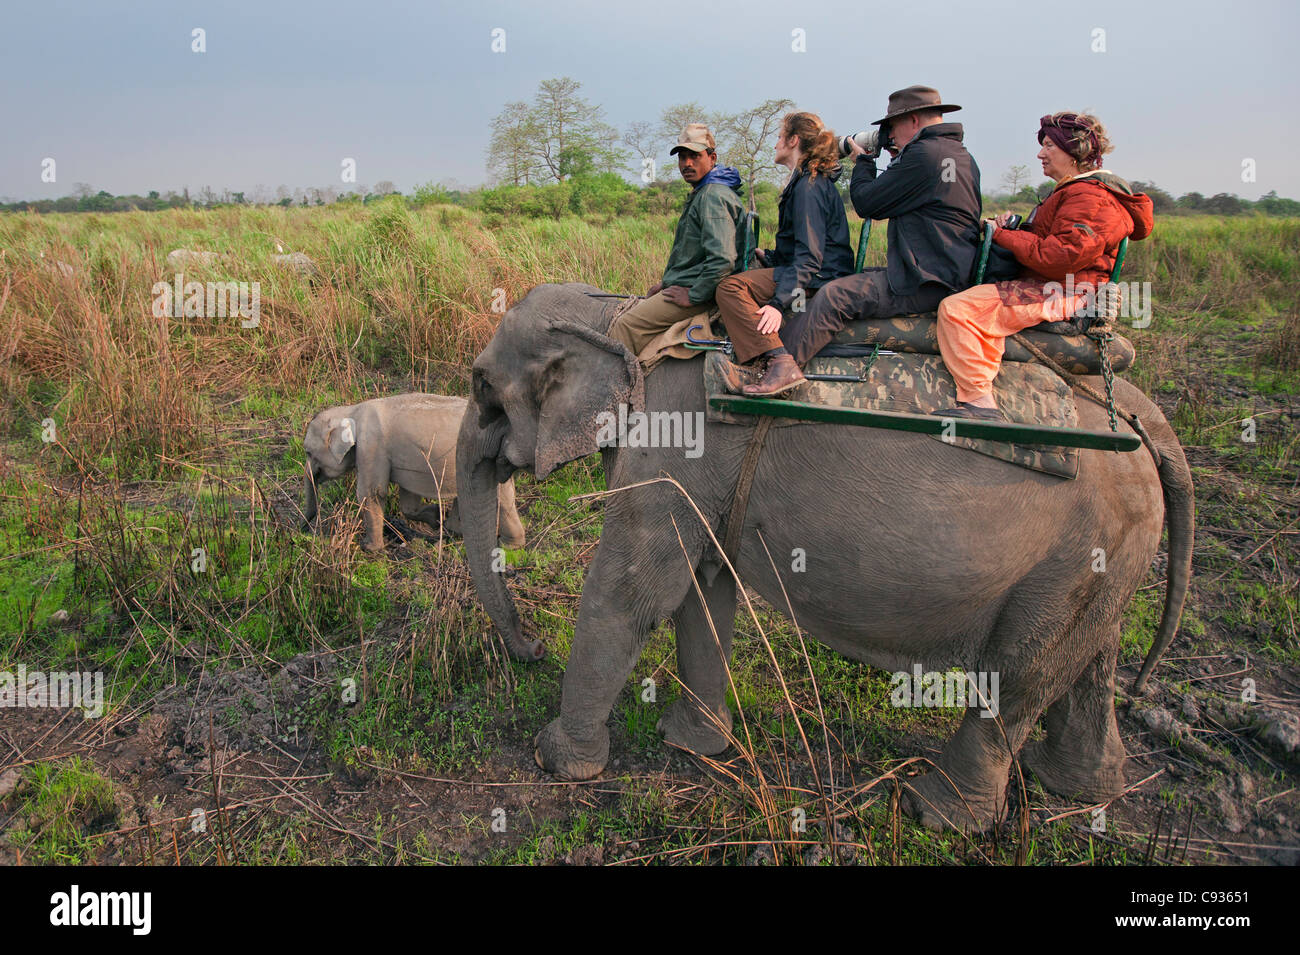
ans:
(812, 248)
(1069, 242)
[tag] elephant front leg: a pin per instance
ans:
(372, 523)
(699, 719)
(372, 488)
(637, 578)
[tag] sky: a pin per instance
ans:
(1195, 95)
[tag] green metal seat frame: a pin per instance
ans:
(863, 235)
(750, 244)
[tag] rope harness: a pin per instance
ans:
(1101, 331)
(740, 500)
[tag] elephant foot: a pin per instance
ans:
(561, 755)
(686, 726)
(1075, 778)
(514, 542)
(932, 801)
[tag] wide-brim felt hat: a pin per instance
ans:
(912, 99)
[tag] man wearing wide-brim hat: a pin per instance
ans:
(931, 196)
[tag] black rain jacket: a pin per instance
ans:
(812, 237)
(931, 196)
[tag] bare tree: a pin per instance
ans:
(384, 187)
(674, 119)
(644, 140)
(751, 136)
(1015, 179)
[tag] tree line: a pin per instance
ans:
(598, 194)
(557, 155)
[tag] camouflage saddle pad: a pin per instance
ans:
(1077, 354)
(920, 384)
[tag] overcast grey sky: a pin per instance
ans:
(286, 90)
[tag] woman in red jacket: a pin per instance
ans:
(1069, 242)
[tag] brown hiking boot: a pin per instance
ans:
(735, 377)
(782, 375)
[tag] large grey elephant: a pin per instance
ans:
(917, 553)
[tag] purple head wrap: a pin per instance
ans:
(1061, 131)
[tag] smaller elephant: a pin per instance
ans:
(407, 440)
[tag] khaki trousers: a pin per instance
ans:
(641, 323)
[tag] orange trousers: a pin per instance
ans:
(974, 324)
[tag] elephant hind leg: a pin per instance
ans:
(699, 719)
(413, 508)
(1083, 755)
(967, 788)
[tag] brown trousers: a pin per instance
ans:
(739, 298)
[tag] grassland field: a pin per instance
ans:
(292, 699)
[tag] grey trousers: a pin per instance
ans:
(864, 294)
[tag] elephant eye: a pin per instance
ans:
(489, 404)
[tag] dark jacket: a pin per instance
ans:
(704, 248)
(812, 236)
(933, 207)
(1076, 230)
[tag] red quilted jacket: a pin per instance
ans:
(1077, 229)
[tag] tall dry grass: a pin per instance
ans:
(406, 292)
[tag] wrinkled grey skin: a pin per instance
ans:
(407, 440)
(916, 553)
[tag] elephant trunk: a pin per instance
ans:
(477, 476)
(309, 494)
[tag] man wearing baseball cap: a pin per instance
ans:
(704, 249)
(931, 196)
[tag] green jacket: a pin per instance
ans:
(704, 248)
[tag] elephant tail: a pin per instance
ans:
(1180, 515)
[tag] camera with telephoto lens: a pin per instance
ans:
(874, 141)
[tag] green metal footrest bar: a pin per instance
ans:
(931, 424)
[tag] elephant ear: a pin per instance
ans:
(342, 438)
(590, 377)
